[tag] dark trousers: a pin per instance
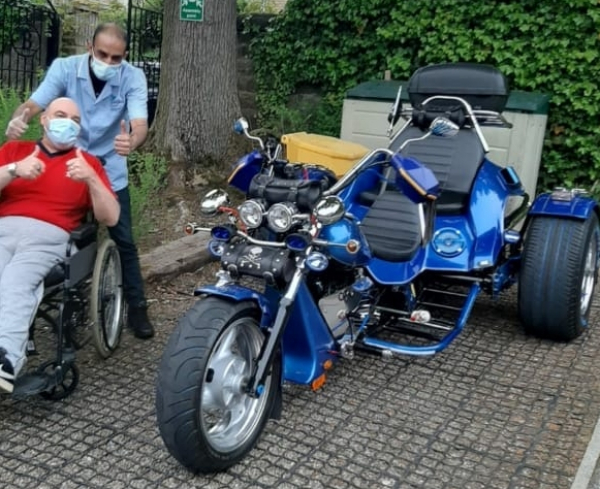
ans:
(122, 235)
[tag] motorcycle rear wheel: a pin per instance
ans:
(206, 420)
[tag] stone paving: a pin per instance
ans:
(496, 410)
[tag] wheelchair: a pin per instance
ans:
(82, 302)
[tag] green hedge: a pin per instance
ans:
(541, 46)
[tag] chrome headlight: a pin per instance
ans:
(213, 200)
(251, 213)
(329, 210)
(281, 216)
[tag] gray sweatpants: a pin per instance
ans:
(29, 248)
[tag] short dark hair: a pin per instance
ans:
(111, 28)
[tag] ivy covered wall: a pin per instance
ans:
(543, 46)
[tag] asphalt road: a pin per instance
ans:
(496, 410)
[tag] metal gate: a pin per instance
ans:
(144, 28)
(29, 42)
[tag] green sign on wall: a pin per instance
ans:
(192, 10)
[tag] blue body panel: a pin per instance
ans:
(307, 342)
(579, 207)
(481, 229)
(246, 167)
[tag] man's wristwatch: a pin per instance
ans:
(12, 170)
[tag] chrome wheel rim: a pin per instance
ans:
(589, 275)
(229, 416)
(111, 291)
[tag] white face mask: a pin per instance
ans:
(102, 70)
(62, 132)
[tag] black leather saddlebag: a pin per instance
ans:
(303, 193)
(275, 265)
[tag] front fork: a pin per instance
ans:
(267, 352)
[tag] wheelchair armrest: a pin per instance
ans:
(83, 231)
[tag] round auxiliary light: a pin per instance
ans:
(317, 261)
(297, 241)
(281, 216)
(449, 242)
(216, 248)
(221, 233)
(251, 213)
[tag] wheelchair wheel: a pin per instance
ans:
(62, 390)
(106, 302)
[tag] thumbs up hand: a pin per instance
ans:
(123, 144)
(31, 166)
(78, 168)
(17, 126)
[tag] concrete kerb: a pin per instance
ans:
(182, 255)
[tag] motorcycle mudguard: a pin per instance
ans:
(307, 341)
(246, 167)
(573, 206)
(237, 293)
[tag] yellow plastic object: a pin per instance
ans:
(334, 153)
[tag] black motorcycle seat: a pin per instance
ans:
(455, 162)
(391, 227)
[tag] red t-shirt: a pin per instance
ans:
(52, 197)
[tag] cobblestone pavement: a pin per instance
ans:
(495, 410)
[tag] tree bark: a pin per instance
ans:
(198, 96)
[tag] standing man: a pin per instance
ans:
(112, 96)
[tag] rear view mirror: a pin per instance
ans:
(240, 126)
(443, 127)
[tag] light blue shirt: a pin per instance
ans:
(124, 97)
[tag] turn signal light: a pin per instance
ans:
(318, 382)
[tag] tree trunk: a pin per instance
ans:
(198, 97)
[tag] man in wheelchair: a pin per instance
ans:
(46, 189)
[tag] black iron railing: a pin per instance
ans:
(145, 36)
(29, 42)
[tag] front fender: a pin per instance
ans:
(237, 293)
(577, 207)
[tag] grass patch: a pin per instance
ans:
(9, 101)
(147, 177)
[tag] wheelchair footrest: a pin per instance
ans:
(32, 384)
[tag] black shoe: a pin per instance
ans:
(7, 373)
(137, 320)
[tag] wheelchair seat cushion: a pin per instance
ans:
(455, 162)
(55, 276)
(391, 227)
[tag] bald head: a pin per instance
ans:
(63, 107)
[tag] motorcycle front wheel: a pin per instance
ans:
(205, 418)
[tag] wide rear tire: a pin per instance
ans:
(206, 420)
(558, 275)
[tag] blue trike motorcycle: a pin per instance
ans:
(390, 259)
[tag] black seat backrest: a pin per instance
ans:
(455, 162)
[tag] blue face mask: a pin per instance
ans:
(63, 133)
(104, 71)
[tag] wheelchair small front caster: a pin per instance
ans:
(62, 383)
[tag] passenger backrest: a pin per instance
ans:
(455, 162)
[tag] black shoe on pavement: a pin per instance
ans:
(137, 320)
(7, 373)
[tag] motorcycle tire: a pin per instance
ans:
(559, 271)
(205, 418)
